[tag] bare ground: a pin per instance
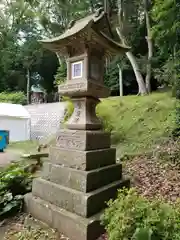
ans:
(19, 228)
(8, 156)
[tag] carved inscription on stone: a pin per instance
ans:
(73, 86)
(74, 142)
(77, 112)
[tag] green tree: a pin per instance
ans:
(15, 19)
(166, 32)
(166, 16)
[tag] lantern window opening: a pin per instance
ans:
(77, 69)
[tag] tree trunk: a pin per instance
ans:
(150, 48)
(59, 59)
(120, 81)
(137, 72)
(139, 78)
(149, 66)
(28, 86)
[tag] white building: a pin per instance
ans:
(45, 119)
(16, 119)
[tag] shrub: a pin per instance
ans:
(176, 93)
(134, 217)
(69, 109)
(60, 77)
(14, 183)
(176, 132)
(15, 97)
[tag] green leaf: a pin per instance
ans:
(142, 234)
(9, 207)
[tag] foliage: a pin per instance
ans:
(135, 123)
(176, 131)
(61, 74)
(23, 23)
(132, 216)
(55, 16)
(166, 17)
(14, 183)
(111, 77)
(166, 23)
(19, 47)
(69, 109)
(13, 97)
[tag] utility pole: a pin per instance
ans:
(28, 86)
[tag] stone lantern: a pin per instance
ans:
(82, 174)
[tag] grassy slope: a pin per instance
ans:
(138, 122)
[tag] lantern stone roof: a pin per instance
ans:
(96, 26)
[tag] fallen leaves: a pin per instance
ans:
(157, 175)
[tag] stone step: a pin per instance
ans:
(69, 224)
(83, 181)
(83, 204)
(82, 160)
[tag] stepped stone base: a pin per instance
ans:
(75, 185)
(83, 204)
(83, 181)
(82, 160)
(69, 224)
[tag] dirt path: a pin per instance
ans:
(8, 156)
(2, 232)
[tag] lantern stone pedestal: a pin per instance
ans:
(82, 174)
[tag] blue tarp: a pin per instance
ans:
(3, 139)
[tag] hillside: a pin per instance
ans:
(137, 122)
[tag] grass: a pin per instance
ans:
(137, 123)
(24, 147)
